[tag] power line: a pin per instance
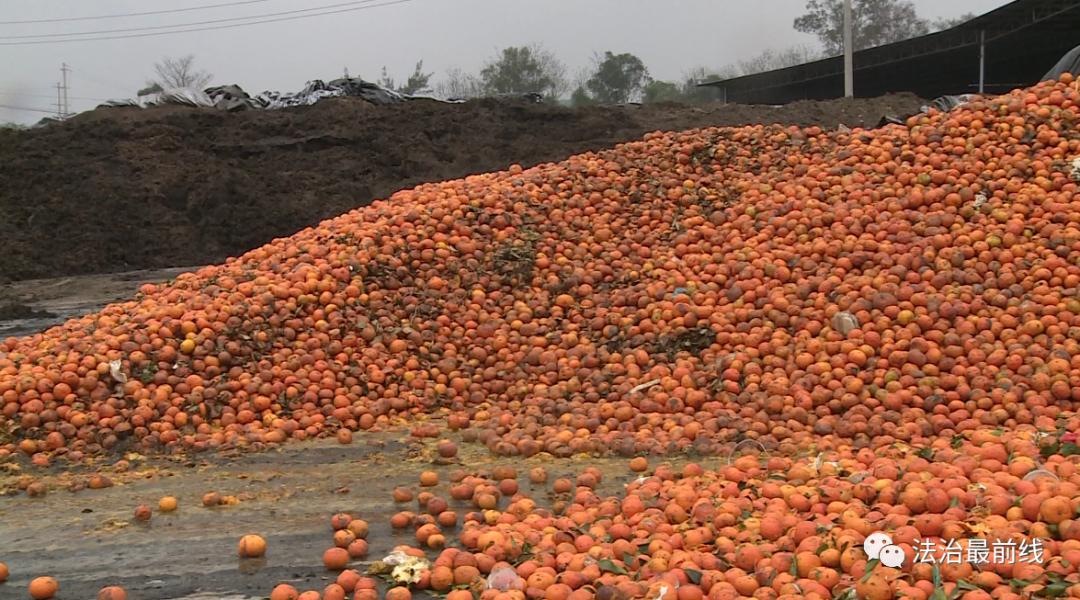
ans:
(23, 108)
(50, 96)
(135, 14)
(191, 24)
(140, 35)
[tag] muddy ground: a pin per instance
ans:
(119, 189)
(33, 305)
(89, 539)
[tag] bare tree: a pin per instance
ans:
(777, 59)
(179, 73)
(560, 85)
(694, 93)
(459, 84)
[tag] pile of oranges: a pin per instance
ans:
(753, 526)
(780, 527)
(687, 290)
(893, 315)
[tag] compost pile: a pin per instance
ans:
(129, 188)
(891, 317)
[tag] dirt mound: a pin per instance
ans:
(122, 188)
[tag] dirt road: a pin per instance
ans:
(89, 539)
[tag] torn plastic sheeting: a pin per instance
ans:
(317, 90)
(1070, 63)
(404, 568)
(947, 103)
(115, 372)
(120, 102)
(371, 92)
(943, 103)
(232, 97)
(505, 579)
(184, 96)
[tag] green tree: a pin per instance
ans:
(418, 82)
(661, 91)
(524, 70)
(580, 97)
(618, 78)
(874, 23)
(385, 80)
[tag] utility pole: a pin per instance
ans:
(64, 68)
(849, 80)
(59, 102)
(982, 60)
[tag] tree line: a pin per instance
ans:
(614, 78)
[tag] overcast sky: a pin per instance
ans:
(670, 36)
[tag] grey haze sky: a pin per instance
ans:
(670, 36)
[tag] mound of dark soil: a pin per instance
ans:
(125, 188)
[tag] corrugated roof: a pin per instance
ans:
(1023, 39)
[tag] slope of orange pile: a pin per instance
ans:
(689, 289)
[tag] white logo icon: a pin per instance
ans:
(892, 556)
(874, 543)
(879, 546)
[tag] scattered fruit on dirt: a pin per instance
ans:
(357, 548)
(284, 591)
(429, 478)
(348, 579)
(359, 528)
(210, 499)
(143, 513)
(401, 520)
(333, 592)
(340, 521)
(251, 546)
(343, 537)
(538, 475)
(167, 504)
(398, 593)
(112, 592)
(344, 436)
(336, 559)
(4, 572)
(446, 449)
(36, 489)
(98, 482)
(43, 588)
